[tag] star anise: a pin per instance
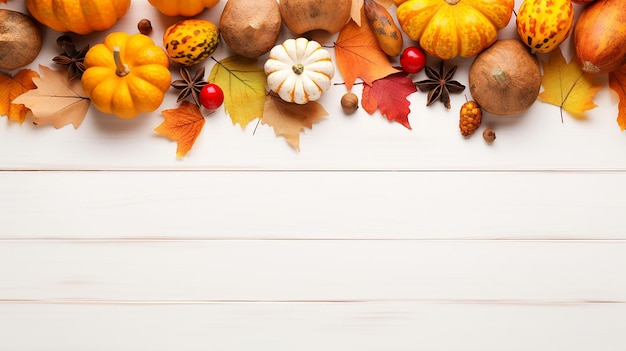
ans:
(71, 57)
(190, 86)
(440, 85)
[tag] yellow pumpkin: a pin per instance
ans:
(78, 16)
(449, 28)
(126, 75)
(186, 8)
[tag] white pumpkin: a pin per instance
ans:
(299, 70)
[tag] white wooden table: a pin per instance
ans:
(373, 237)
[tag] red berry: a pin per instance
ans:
(413, 59)
(211, 96)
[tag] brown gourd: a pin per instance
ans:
(302, 16)
(251, 31)
(505, 78)
(20, 39)
(600, 36)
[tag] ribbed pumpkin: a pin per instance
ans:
(126, 75)
(449, 28)
(186, 8)
(299, 70)
(78, 16)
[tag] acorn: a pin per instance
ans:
(20, 39)
(349, 102)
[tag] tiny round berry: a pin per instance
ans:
(412, 59)
(211, 96)
(489, 135)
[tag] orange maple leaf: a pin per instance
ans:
(289, 119)
(617, 82)
(358, 55)
(11, 88)
(183, 125)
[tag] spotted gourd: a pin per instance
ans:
(544, 24)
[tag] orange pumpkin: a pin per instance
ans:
(78, 16)
(186, 8)
(448, 28)
(600, 36)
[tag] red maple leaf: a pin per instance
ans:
(389, 95)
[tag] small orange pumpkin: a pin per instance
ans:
(185, 8)
(126, 75)
(78, 16)
(448, 28)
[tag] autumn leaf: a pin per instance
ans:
(183, 125)
(389, 95)
(617, 82)
(358, 55)
(289, 119)
(55, 101)
(11, 88)
(567, 86)
(243, 83)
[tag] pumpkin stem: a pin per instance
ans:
(452, 2)
(121, 69)
(500, 76)
(298, 68)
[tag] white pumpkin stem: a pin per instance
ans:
(298, 68)
(121, 69)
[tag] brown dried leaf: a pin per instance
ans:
(56, 101)
(289, 119)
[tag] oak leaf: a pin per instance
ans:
(11, 88)
(243, 83)
(567, 86)
(56, 100)
(183, 125)
(617, 82)
(358, 55)
(289, 119)
(389, 95)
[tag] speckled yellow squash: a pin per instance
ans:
(126, 75)
(78, 16)
(186, 8)
(450, 28)
(544, 24)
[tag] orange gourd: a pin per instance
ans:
(449, 28)
(78, 16)
(126, 75)
(600, 36)
(186, 8)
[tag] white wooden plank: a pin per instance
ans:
(313, 205)
(535, 140)
(314, 327)
(329, 270)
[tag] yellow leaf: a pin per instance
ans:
(11, 88)
(243, 83)
(567, 86)
(182, 124)
(289, 119)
